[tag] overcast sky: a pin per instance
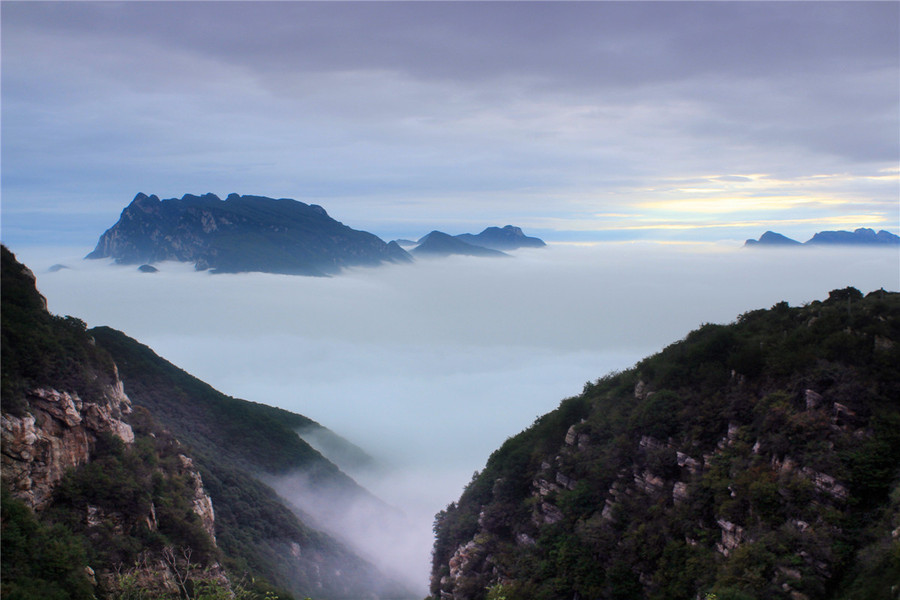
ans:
(575, 121)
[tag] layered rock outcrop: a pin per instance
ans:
(57, 433)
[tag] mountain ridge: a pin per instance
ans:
(508, 237)
(861, 236)
(440, 244)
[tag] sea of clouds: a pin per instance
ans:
(431, 366)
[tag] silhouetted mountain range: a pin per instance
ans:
(860, 237)
(256, 233)
(438, 243)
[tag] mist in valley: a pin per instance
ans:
(429, 367)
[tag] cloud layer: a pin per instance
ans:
(431, 366)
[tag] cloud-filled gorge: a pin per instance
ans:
(430, 366)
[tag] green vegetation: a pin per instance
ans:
(748, 461)
(233, 441)
(116, 523)
(39, 561)
(120, 487)
(38, 347)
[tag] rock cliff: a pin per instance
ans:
(67, 452)
(58, 433)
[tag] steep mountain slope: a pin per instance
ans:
(752, 460)
(240, 233)
(114, 490)
(118, 500)
(236, 444)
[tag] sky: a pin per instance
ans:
(582, 121)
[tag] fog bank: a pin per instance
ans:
(430, 366)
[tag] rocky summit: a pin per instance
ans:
(241, 234)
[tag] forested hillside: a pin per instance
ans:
(98, 501)
(125, 477)
(755, 460)
(236, 443)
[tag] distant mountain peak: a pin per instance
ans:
(239, 234)
(508, 237)
(772, 238)
(862, 236)
(438, 243)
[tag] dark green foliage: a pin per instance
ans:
(39, 562)
(131, 501)
(252, 435)
(800, 479)
(232, 442)
(100, 513)
(120, 484)
(38, 347)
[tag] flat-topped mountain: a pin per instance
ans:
(505, 238)
(438, 243)
(241, 234)
(859, 237)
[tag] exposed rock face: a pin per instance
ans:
(201, 502)
(732, 537)
(57, 433)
